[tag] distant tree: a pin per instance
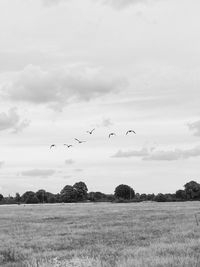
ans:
(1, 197)
(96, 196)
(124, 192)
(50, 197)
(170, 197)
(143, 197)
(27, 195)
(32, 199)
(68, 194)
(150, 197)
(58, 198)
(41, 195)
(17, 198)
(192, 190)
(181, 195)
(160, 198)
(110, 197)
(81, 191)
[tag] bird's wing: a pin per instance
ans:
(127, 132)
(93, 130)
(76, 139)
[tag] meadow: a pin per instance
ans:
(100, 235)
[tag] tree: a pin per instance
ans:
(81, 191)
(17, 198)
(143, 197)
(27, 195)
(124, 191)
(41, 195)
(50, 197)
(180, 195)
(32, 199)
(1, 197)
(68, 194)
(96, 196)
(192, 190)
(160, 198)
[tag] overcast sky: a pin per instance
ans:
(70, 66)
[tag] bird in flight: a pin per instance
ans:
(90, 132)
(79, 141)
(130, 131)
(111, 134)
(52, 146)
(67, 145)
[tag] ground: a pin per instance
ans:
(100, 235)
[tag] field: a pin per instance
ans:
(104, 234)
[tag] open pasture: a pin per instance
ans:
(102, 234)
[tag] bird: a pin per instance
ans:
(90, 132)
(111, 134)
(79, 141)
(52, 146)
(67, 145)
(130, 131)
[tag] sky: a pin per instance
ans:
(67, 67)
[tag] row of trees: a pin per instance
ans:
(123, 193)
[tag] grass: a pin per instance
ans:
(100, 235)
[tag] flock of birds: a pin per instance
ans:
(91, 132)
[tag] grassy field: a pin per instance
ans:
(104, 234)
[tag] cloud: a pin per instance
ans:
(38, 173)
(78, 170)
(67, 177)
(1, 164)
(119, 4)
(195, 126)
(106, 122)
(69, 161)
(160, 155)
(131, 153)
(12, 121)
(58, 87)
(52, 2)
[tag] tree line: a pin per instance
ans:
(123, 193)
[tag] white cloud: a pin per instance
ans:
(106, 122)
(131, 153)
(12, 121)
(38, 173)
(69, 161)
(119, 4)
(195, 126)
(1, 164)
(60, 86)
(160, 155)
(52, 2)
(78, 170)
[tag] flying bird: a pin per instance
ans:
(79, 141)
(90, 132)
(111, 134)
(52, 146)
(67, 145)
(130, 131)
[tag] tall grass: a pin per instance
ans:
(100, 235)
